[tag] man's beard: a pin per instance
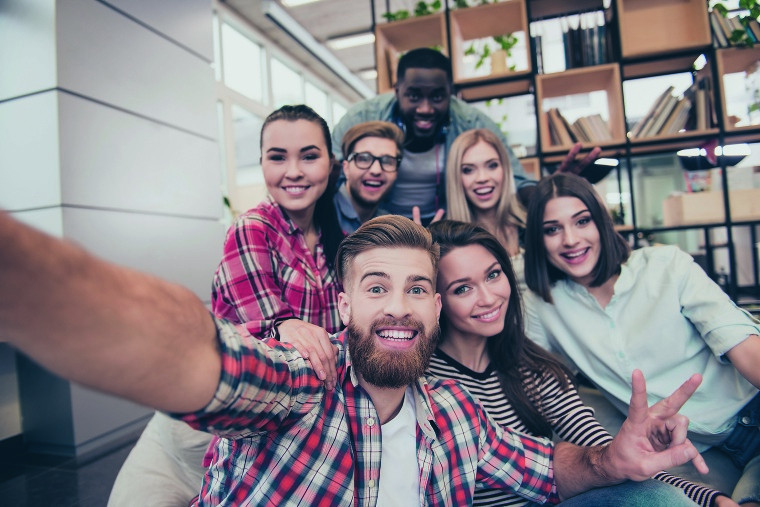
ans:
(356, 196)
(386, 367)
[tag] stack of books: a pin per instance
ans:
(730, 31)
(587, 129)
(670, 114)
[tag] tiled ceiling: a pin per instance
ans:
(324, 20)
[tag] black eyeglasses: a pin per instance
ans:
(365, 159)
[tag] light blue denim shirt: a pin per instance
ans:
(666, 318)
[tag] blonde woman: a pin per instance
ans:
(480, 188)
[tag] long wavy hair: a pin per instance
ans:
(509, 211)
(325, 216)
(516, 359)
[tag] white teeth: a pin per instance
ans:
(374, 183)
(395, 334)
(573, 255)
(489, 315)
(483, 191)
(295, 190)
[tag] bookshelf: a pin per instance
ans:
(644, 43)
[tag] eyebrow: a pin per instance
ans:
(409, 279)
(584, 210)
(465, 279)
(305, 148)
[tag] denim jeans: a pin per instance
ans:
(743, 447)
(649, 493)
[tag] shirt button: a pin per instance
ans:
(745, 420)
(371, 483)
(370, 421)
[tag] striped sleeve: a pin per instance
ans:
(574, 422)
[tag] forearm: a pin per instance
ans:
(578, 469)
(107, 327)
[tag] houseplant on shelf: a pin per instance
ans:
(499, 55)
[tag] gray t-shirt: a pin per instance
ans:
(419, 177)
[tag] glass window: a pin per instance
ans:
(242, 63)
(316, 99)
(338, 110)
(287, 85)
(246, 128)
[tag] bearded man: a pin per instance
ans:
(384, 434)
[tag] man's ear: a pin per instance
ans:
(344, 308)
(438, 305)
(345, 168)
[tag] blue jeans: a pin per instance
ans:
(743, 447)
(649, 493)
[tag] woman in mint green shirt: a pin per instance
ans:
(609, 310)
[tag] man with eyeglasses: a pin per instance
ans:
(371, 157)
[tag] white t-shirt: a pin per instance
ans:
(399, 472)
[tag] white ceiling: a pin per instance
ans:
(325, 19)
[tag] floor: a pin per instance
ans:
(43, 481)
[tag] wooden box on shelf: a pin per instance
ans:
(532, 167)
(396, 37)
(507, 17)
(576, 81)
(707, 207)
(652, 27)
(731, 61)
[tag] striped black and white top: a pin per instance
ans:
(571, 420)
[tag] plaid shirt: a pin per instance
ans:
(289, 441)
(268, 273)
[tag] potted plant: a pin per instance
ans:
(498, 55)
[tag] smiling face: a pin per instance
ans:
(423, 96)
(571, 238)
(482, 176)
(474, 292)
(296, 165)
(391, 309)
(367, 187)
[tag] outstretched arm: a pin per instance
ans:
(107, 327)
(651, 439)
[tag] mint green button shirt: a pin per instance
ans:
(666, 318)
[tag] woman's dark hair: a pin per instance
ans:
(540, 274)
(516, 359)
(325, 215)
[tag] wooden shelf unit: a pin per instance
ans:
(604, 78)
(730, 61)
(482, 21)
(653, 27)
(393, 39)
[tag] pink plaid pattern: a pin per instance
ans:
(289, 441)
(267, 273)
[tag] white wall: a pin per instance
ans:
(108, 121)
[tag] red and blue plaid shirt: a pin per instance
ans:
(267, 273)
(289, 441)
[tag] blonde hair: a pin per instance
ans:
(509, 211)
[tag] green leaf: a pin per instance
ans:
(721, 9)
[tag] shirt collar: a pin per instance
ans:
(285, 220)
(344, 203)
